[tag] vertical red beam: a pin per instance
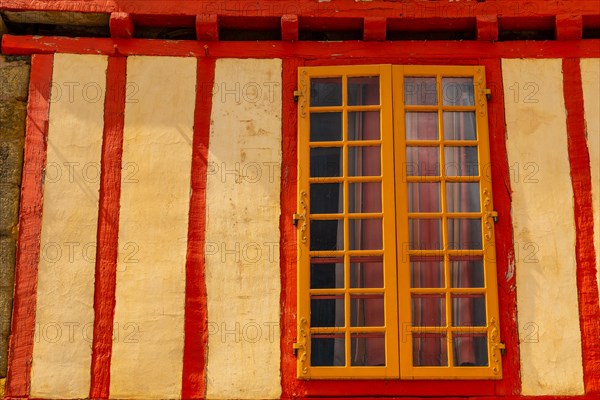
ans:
(287, 248)
(108, 227)
(499, 172)
(196, 323)
(30, 227)
(587, 287)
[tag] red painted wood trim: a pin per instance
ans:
(207, 27)
(487, 27)
(374, 28)
(108, 227)
(587, 286)
(569, 27)
(30, 228)
(289, 27)
(334, 8)
(196, 317)
(287, 246)
(450, 50)
(510, 384)
(121, 25)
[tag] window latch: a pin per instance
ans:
(297, 94)
(297, 217)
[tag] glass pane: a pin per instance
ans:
(425, 234)
(468, 310)
(327, 350)
(457, 92)
(364, 197)
(421, 126)
(462, 197)
(428, 309)
(327, 273)
(430, 350)
(461, 161)
(464, 234)
(365, 234)
(325, 127)
(366, 272)
(327, 234)
(422, 161)
(326, 311)
(363, 125)
(363, 90)
(364, 161)
(470, 350)
(459, 125)
(368, 349)
(420, 91)
(326, 198)
(325, 92)
(426, 272)
(424, 197)
(326, 161)
(366, 310)
(467, 272)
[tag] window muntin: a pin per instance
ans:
(396, 266)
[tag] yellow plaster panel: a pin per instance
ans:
(544, 229)
(242, 231)
(65, 289)
(590, 77)
(159, 115)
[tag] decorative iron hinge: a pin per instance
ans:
(500, 346)
(295, 347)
(297, 217)
(493, 214)
(488, 94)
(297, 95)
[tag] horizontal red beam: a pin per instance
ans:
(22, 45)
(334, 8)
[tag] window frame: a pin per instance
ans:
(398, 353)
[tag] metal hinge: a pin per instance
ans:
(297, 94)
(297, 217)
(296, 347)
(502, 347)
(494, 215)
(488, 94)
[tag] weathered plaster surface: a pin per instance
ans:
(544, 230)
(242, 231)
(65, 289)
(149, 315)
(590, 77)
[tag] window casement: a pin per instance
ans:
(396, 257)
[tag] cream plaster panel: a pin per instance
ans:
(65, 289)
(242, 231)
(590, 77)
(544, 228)
(149, 316)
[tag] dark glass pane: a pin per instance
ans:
(426, 272)
(459, 125)
(326, 161)
(363, 91)
(363, 125)
(461, 161)
(366, 310)
(326, 234)
(326, 198)
(464, 234)
(364, 197)
(365, 234)
(468, 310)
(457, 92)
(421, 126)
(327, 350)
(364, 161)
(470, 350)
(327, 273)
(420, 91)
(368, 349)
(366, 272)
(467, 271)
(326, 311)
(462, 197)
(325, 127)
(422, 161)
(325, 92)
(428, 309)
(430, 350)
